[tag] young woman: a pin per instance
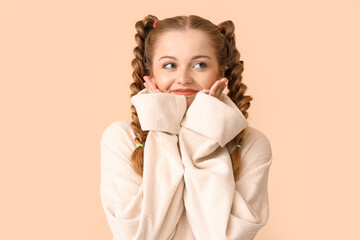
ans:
(188, 165)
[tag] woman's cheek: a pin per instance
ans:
(164, 83)
(207, 83)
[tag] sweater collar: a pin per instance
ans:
(168, 112)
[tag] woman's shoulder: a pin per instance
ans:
(118, 136)
(253, 134)
(256, 144)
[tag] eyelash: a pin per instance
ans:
(164, 66)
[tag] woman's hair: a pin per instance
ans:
(223, 42)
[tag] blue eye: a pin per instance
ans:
(167, 65)
(203, 64)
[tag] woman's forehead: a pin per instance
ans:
(180, 43)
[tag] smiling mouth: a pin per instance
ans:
(186, 92)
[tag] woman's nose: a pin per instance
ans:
(184, 77)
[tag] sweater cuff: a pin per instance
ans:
(159, 111)
(218, 119)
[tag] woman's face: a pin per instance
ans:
(184, 60)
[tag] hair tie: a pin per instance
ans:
(238, 146)
(140, 145)
(219, 27)
(155, 23)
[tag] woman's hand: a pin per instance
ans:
(150, 86)
(218, 87)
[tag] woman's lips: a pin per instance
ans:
(186, 92)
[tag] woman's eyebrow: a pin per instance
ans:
(193, 58)
(201, 56)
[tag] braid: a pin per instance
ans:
(236, 88)
(143, 27)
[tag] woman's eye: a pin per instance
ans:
(201, 65)
(168, 65)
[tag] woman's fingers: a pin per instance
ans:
(218, 87)
(214, 87)
(223, 86)
(147, 88)
(149, 82)
(150, 85)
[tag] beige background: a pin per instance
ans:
(65, 73)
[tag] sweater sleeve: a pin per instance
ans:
(148, 207)
(217, 207)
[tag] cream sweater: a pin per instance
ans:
(188, 190)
